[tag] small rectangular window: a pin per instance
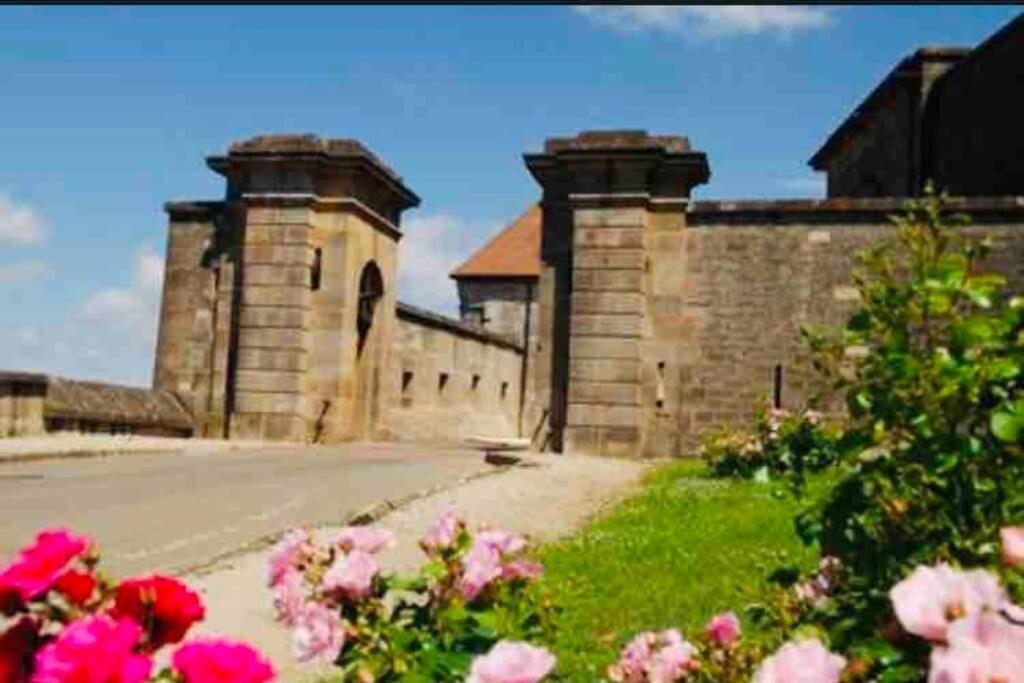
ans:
(315, 270)
(406, 380)
(475, 383)
(504, 389)
(442, 382)
(777, 387)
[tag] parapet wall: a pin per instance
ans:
(754, 272)
(445, 381)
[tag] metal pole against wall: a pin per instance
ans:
(526, 357)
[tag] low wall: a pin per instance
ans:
(446, 381)
(32, 404)
(21, 403)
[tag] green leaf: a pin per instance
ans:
(1007, 426)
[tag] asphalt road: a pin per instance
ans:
(173, 512)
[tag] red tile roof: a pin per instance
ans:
(513, 252)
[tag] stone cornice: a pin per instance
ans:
(324, 204)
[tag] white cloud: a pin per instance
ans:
(708, 21)
(22, 271)
(132, 308)
(431, 248)
(20, 224)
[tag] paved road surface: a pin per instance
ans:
(175, 511)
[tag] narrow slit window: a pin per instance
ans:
(504, 389)
(406, 381)
(442, 382)
(475, 383)
(777, 387)
(316, 269)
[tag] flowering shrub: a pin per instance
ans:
(66, 623)
(936, 402)
(474, 591)
(781, 444)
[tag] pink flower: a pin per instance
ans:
(292, 547)
(656, 657)
(38, 566)
(673, 662)
(367, 539)
(724, 629)
(218, 660)
(318, 634)
(289, 596)
(480, 566)
(512, 662)
(983, 647)
(813, 417)
(931, 597)
(521, 569)
(502, 541)
(93, 650)
(807, 661)
(443, 533)
(1013, 545)
(351, 575)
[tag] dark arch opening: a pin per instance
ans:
(371, 289)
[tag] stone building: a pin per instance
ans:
(618, 315)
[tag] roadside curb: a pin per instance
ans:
(18, 458)
(367, 515)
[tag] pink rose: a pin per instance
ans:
(367, 539)
(806, 661)
(292, 547)
(38, 567)
(982, 647)
(318, 634)
(480, 566)
(218, 660)
(443, 533)
(633, 661)
(521, 569)
(351, 575)
(512, 662)
(289, 596)
(724, 629)
(93, 650)
(1013, 545)
(674, 661)
(502, 541)
(931, 597)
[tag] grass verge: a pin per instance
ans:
(683, 549)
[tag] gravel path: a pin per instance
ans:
(545, 498)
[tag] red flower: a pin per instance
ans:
(162, 605)
(38, 566)
(17, 647)
(218, 660)
(76, 585)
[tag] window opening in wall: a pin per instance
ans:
(371, 289)
(504, 389)
(442, 382)
(315, 270)
(659, 401)
(475, 383)
(777, 388)
(406, 381)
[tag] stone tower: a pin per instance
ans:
(279, 301)
(614, 208)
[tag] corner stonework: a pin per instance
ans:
(608, 198)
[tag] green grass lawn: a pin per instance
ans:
(683, 549)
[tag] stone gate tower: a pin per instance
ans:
(614, 208)
(279, 301)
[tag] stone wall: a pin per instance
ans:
(445, 381)
(21, 403)
(753, 272)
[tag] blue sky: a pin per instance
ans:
(107, 112)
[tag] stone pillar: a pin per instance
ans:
(313, 213)
(612, 183)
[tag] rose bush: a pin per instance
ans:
(781, 444)
(475, 592)
(64, 622)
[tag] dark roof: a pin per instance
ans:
(513, 252)
(907, 70)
